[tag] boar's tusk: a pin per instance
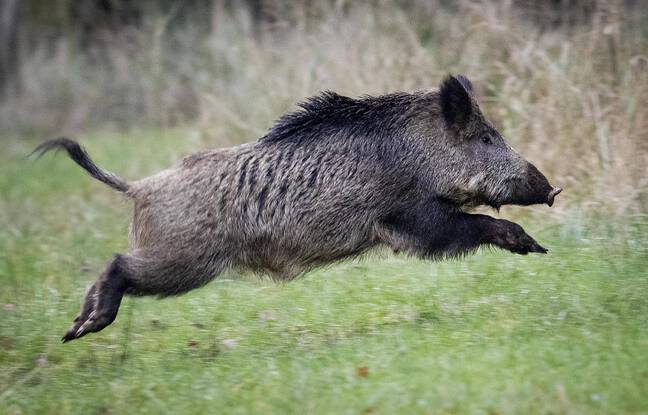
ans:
(554, 192)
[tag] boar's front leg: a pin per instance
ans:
(437, 229)
(510, 236)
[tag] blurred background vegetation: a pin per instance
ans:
(566, 81)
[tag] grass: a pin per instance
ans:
(495, 333)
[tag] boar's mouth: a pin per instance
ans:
(528, 199)
(530, 189)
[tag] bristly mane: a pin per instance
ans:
(330, 114)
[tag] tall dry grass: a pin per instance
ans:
(573, 99)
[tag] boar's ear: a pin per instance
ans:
(465, 82)
(456, 104)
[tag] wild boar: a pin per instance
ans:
(329, 181)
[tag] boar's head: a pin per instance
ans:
(470, 161)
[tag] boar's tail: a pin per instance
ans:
(80, 157)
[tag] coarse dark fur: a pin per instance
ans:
(330, 181)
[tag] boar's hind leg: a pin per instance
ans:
(151, 273)
(102, 301)
(141, 273)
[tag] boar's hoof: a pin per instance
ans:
(95, 322)
(552, 194)
(511, 236)
(525, 244)
(532, 246)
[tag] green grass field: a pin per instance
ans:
(492, 334)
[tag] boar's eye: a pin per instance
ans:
(486, 140)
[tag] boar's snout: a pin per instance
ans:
(552, 194)
(534, 188)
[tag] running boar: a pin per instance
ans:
(329, 181)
